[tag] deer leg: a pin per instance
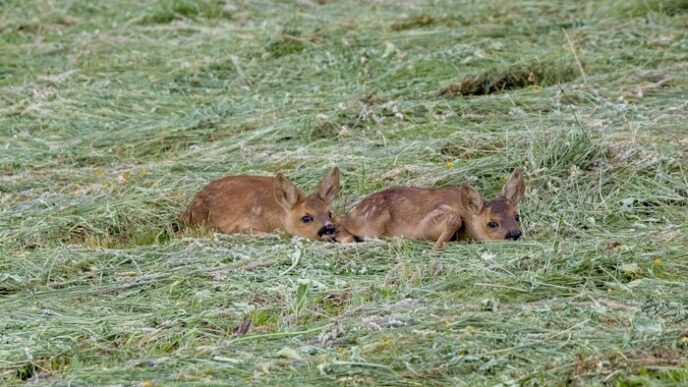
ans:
(440, 225)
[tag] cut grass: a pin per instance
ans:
(495, 80)
(112, 115)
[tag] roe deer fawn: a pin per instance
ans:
(264, 204)
(438, 215)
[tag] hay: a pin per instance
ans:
(113, 114)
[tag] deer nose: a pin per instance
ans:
(513, 235)
(328, 229)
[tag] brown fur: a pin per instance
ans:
(261, 204)
(436, 214)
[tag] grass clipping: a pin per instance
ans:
(513, 77)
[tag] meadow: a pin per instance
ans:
(114, 113)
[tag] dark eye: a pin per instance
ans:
(330, 215)
(517, 218)
(492, 225)
(307, 219)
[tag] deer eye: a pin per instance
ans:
(307, 219)
(492, 225)
(329, 214)
(517, 218)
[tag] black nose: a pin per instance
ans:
(327, 230)
(513, 235)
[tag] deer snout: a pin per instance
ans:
(327, 230)
(513, 235)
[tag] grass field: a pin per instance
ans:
(114, 113)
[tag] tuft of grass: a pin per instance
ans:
(572, 150)
(537, 73)
(164, 12)
(647, 7)
(418, 21)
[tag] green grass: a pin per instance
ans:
(113, 114)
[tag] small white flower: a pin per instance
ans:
(487, 256)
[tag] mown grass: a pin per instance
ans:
(112, 114)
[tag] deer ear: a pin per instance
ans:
(471, 200)
(286, 194)
(515, 187)
(330, 186)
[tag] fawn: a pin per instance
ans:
(439, 215)
(261, 204)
